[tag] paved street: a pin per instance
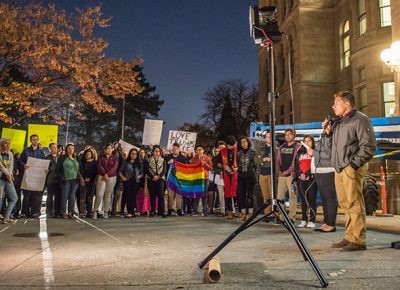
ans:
(157, 253)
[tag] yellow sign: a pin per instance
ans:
(17, 138)
(47, 133)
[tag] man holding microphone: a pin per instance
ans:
(353, 144)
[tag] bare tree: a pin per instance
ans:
(230, 107)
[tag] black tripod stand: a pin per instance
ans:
(277, 206)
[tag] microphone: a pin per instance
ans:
(331, 120)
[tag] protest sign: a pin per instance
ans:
(35, 176)
(152, 132)
(126, 147)
(187, 140)
(47, 133)
(17, 138)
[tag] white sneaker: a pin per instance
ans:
(310, 225)
(94, 215)
(105, 215)
(303, 224)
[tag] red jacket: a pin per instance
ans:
(108, 166)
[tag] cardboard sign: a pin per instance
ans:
(152, 132)
(35, 176)
(187, 140)
(126, 147)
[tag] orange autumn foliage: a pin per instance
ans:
(49, 59)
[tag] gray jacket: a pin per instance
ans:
(352, 141)
(323, 153)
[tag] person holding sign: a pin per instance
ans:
(6, 179)
(305, 182)
(169, 159)
(32, 199)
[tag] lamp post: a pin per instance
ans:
(391, 57)
(70, 107)
(123, 119)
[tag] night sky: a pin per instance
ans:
(187, 47)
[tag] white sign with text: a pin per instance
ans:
(186, 140)
(35, 175)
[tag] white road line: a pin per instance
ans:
(48, 274)
(4, 229)
(93, 226)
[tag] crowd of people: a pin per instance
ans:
(134, 183)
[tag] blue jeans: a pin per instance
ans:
(68, 191)
(9, 189)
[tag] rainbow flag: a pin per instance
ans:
(187, 180)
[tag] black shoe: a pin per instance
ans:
(163, 216)
(179, 212)
(152, 214)
(169, 212)
(277, 222)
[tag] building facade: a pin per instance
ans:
(329, 46)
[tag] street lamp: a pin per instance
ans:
(391, 56)
(70, 107)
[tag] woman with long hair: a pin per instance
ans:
(107, 166)
(68, 173)
(130, 175)
(246, 178)
(89, 173)
(306, 184)
(155, 170)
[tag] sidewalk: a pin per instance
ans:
(389, 225)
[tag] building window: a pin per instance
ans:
(388, 98)
(363, 99)
(345, 45)
(386, 17)
(361, 74)
(362, 16)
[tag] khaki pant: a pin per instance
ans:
(104, 188)
(265, 185)
(349, 188)
(285, 183)
(171, 199)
